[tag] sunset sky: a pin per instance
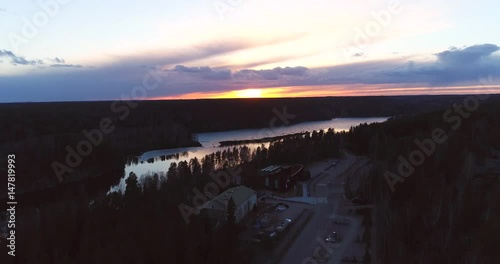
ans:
(79, 50)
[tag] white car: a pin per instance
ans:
(283, 225)
(281, 207)
(332, 237)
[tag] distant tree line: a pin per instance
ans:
(175, 120)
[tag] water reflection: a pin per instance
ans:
(136, 160)
(158, 161)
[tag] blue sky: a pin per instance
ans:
(60, 50)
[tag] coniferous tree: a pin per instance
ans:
(231, 207)
(132, 191)
(195, 166)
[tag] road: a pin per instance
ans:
(354, 227)
(325, 183)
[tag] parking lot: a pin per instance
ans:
(270, 215)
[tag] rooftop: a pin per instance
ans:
(240, 194)
(276, 169)
(271, 169)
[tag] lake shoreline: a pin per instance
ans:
(228, 143)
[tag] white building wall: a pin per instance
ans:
(244, 208)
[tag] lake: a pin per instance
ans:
(158, 161)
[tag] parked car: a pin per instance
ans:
(262, 221)
(263, 235)
(332, 237)
(281, 207)
(283, 225)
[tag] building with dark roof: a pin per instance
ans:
(280, 178)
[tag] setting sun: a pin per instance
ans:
(249, 93)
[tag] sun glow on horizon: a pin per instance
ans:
(335, 90)
(249, 93)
